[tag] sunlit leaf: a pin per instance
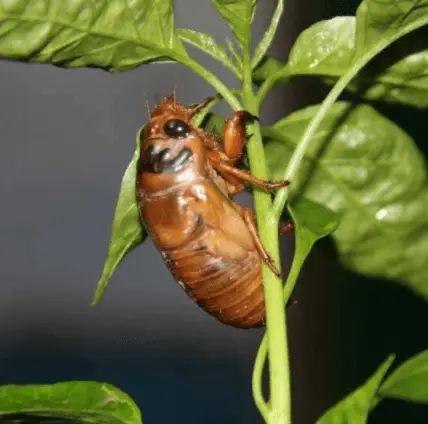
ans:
(329, 48)
(76, 401)
(111, 34)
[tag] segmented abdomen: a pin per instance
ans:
(230, 290)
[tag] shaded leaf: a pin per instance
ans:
(313, 221)
(207, 44)
(79, 401)
(239, 15)
(111, 34)
(373, 176)
(355, 408)
(127, 230)
(409, 380)
(381, 21)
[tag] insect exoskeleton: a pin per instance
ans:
(185, 183)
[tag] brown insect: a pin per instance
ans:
(209, 243)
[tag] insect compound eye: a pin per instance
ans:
(176, 128)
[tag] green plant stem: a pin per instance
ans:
(290, 283)
(269, 82)
(209, 77)
(257, 380)
(279, 381)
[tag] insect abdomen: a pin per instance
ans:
(230, 290)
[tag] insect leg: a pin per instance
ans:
(225, 168)
(251, 222)
(234, 135)
(200, 106)
(287, 227)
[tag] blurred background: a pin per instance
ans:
(67, 136)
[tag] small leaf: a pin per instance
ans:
(127, 230)
(207, 44)
(79, 401)
(312, 221)
(239, 14)
(355, 408)
(268, 36)
(111, 34)
(409, 380)
(373, 176)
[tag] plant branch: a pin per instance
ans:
(279, 380)
(269, 82)
(208, 76)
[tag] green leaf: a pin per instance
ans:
(312, 221)
(268, 36)
(80, 401)
(207, 44)
(127, 229)
(381, 21)
(355, 408)
(113, 34)
(409, 380)
(373, 176)
(328, 49)
(331, 48)
(239, 14)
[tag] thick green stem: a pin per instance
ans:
(279, 381)
(296, 266)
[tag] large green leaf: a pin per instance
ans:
(127, 229)
(372, 175)
(239, 15)
(409, 381)
(330, 49)
(111, 34)
(355, 408)
(77, 401)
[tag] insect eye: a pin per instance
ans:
(176, 128)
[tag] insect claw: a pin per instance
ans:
(247, 116)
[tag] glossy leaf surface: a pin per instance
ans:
(112, 34)
(373, 176)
